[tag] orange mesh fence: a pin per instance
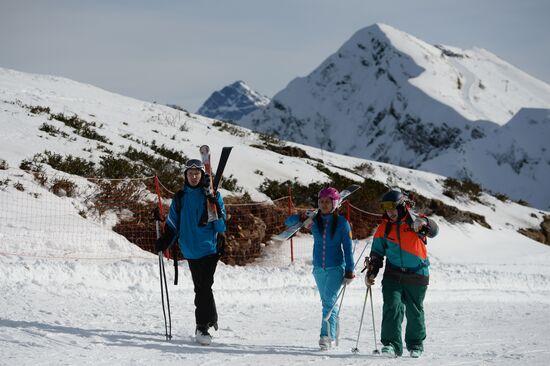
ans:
(362, 222)
(82, 219)
(96, 218)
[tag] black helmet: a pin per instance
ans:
(394, 199)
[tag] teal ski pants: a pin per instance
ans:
(329, 280)
(399, 300)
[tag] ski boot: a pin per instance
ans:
(325, 343)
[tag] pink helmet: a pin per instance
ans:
(331, 193)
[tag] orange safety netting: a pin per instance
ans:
(107, 212)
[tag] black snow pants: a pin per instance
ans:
(202, 272)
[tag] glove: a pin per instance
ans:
(348, 277)
(220, 244)
(206, 181)
(369, 279)
(419, 223)
(373, 266)
(165, 240)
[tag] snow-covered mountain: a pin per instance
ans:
(233, 102)
(388, 96)
(68, 299)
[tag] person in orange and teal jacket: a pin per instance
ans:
(402, 239)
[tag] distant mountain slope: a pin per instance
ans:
(388, 96)
(233, 102)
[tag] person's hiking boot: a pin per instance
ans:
(416, 353)
(202, 336)
(388, 351)
(324, 343)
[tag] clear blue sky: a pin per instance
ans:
(181, 51)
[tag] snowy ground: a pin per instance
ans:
(494, 309)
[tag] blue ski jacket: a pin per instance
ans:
(328, 250)
(195, 241)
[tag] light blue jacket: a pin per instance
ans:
(328, 250)
(195, 241)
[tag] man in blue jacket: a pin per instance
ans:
(197, 240)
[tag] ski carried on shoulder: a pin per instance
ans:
(214, 183)
(292, 230)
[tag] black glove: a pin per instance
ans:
(373, 266)
(206, 181)
(165, 240)
(220, 244)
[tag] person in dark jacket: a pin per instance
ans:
(332, 258)
(402, 239)
(197, 240)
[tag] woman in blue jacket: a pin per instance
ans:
(332, 258)
(197, 242)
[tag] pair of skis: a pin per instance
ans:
(215, 182)
(292, 230)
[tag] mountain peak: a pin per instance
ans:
(233, 102)
(388, 96)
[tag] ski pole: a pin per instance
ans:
(356, 349)
(342, 293)
(163, 283)
(376, 351)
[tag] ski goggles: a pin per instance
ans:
(194, 164)
(388, 205)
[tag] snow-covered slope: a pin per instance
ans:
(72, 300)
(388, 96)
(233, 102)
(125, 122)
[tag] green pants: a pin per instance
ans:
(403, 299)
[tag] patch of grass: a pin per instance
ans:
(52, 130)
(292, 151)
(231, 129)
(4, 184)
(70, 164)
(364, 169)
(455, 188)
(522, 202)
(64, 187)
(81, 127)
(502, 197)
(34, 164)
(230, 184)
(38, 109)
(169, 153)
(112, 167)
(19, 186)
(270, 139)
(169, 172)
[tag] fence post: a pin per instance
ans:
(290, 213)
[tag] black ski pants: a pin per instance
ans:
(202, 272)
